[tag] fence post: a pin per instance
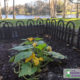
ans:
(53, 29)
(70, 33)
(78, 39)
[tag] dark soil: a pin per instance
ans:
(55, 71)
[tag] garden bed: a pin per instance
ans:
(55, 70)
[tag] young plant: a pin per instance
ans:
(32, 57)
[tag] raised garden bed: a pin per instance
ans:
(55, 70)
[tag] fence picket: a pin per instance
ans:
(57, 31)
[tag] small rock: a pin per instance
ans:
(67, 45)
(52, 76)
(1, 77)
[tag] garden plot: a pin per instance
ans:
(54, 70)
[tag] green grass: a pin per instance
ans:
(14, 21)
(75, 20)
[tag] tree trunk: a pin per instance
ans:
(6, 8)
(0, 11)
(52, 8)
(14, 16)
(64, 11)
(77, 13)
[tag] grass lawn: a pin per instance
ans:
(75, 20)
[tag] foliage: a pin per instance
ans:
(33, 55)
(38, 7)
(59, 6)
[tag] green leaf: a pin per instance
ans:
(47, 58)
(24, 39)
(40, 42)
(22, 55)
(57, 55)
(12, 59)
(41, 46)
(38, 39)
(26, 43)
(27, 69)
(21, 48)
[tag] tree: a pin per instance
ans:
(14, 9)
(39, 5)
(53, 8)
(64, 10)
(77, 12)
(6, 8)
(59, 6)
(0, 11)
(77, 6)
